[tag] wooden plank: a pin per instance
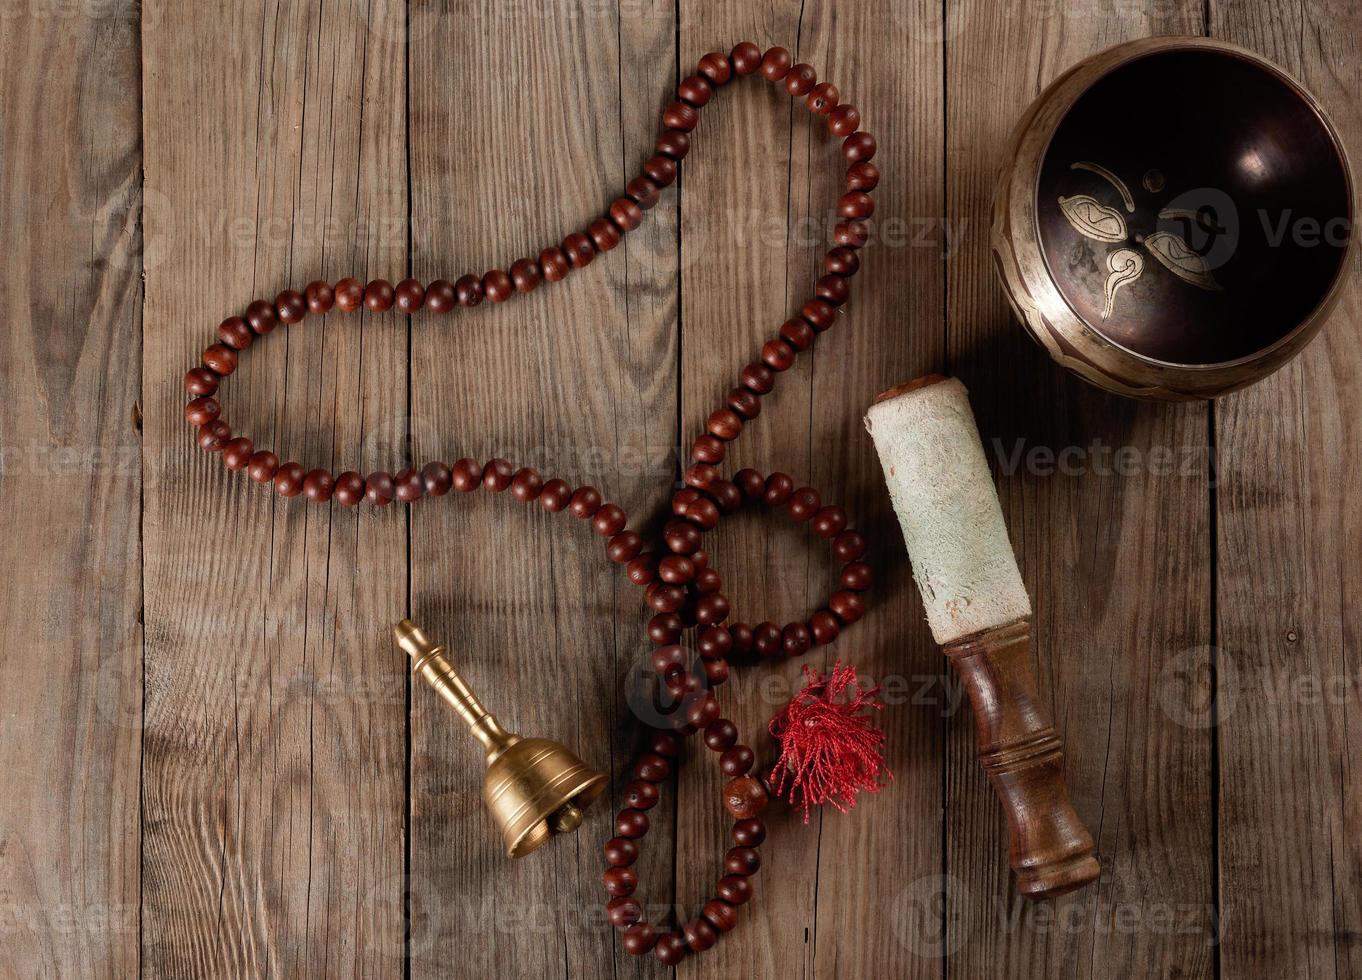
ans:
(1117, 565)
(274, 763)
(1290, 532)
(524, 128)
(70, 674)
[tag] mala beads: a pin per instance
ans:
(681, 587)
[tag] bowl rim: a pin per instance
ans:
(1125, 54)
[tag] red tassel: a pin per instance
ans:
(829, 752)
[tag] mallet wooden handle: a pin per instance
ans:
(1051, 850)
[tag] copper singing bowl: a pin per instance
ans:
(1175, 218)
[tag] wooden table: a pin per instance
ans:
(213, 761)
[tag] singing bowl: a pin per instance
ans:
(1174, 219)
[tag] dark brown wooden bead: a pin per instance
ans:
(349, 295)
(716, 671)
(555, 495)
(676, 569)
(641, 794)
(202, 410)
(844, 120)
(752, 483)
(716, 67)
(775, 64)
(804, 503)
(620, 852)
(643, 191)
(585, 502)
(848, 605)
(700, 934)
(744, 402)
(497, 475)
(604, 234)
(779, 488)
(841, 262)
(703, 513)
(235, 333)
(665, 743)
(758, 377)
(671, 949)
(700, 475)
(320, 297)
(745, 58)
(848, 546)
(737, 760)
(526, 484)
(652, 768)
(821, 315)
(720, 735)
(236, 455)
(767, 640)
(682, 539)
(749, 833)
(673, 143)
(720, 914)
(641, 570)
(680, 116)
(829, 522)
(743, 640)
(624, 547)
(411, 296)
(743, 861)
(796, 639)
(554, 262)
(695, 89)
(497, 285)
(467, 475)
(220, 359)
(823, 98)
(734, 889)
(469, 290)
(624, 911)
(379, 296)
(724, 424)
(666, 598)
(626, 213)
(436, 479)
(706, 579)
(349, 488)
(702, 710)
(288, 479)
(797, 333)
(858, 146)
(379, 488)
(863, 176)
(851, 234)
(291, 306)
(631, 823)
(214, 436)
(639, 938)
(857, 577)
(713, 642)
(824, 627)
(833, 290)
(661, 169)
(711, 609)
(778, 355)
(727, 495)
(620, 882)
(800, 80)
(441, 296)
(525, 275)
(262, 317)
(201, 381)
(665, 628)
(855, 204)
(609, 521)
(745, 797)
(318, 486)
(708, 449)
(579, 250)
(409, 486)
(262, 466)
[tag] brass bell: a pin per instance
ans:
(533, 788)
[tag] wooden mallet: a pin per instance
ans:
(980, 614)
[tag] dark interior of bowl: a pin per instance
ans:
(1193, 207)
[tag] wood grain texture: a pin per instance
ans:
(1117, 562)
(1289, 535)
(70, 475)
(273, 783)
